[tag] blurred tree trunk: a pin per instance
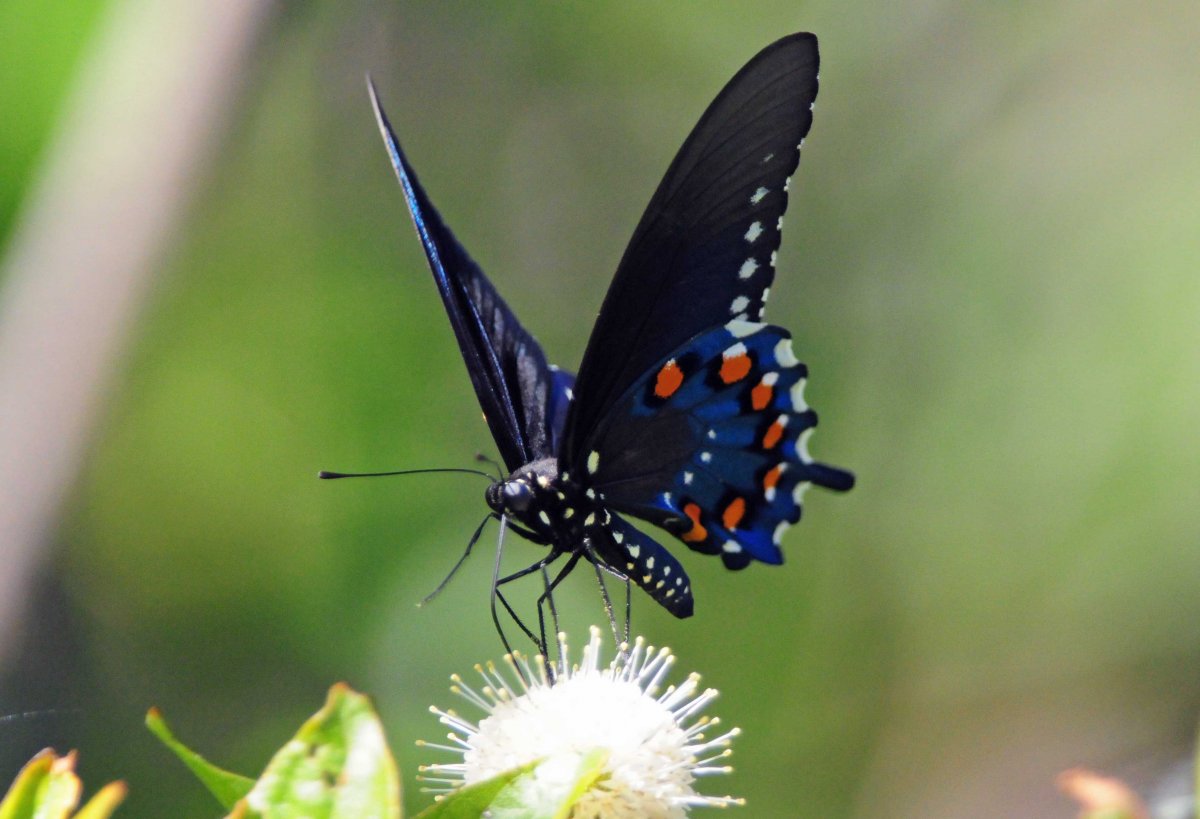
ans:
(115, 181)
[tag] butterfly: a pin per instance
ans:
(688, 411)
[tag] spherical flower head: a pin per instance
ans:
(653, 738)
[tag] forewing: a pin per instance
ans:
(524, 400)
(704, 251)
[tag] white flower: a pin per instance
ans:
(654, 742)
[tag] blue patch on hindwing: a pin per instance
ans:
(736, 390)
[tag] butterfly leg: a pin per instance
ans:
(608, 606)
(470, 545)
(628, 601)
(601, 567)
(549, 595)
(548, 598)
(497, 595)
(628, 609)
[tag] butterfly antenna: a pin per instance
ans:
(461, 560)
(329, 476)
(484, 459)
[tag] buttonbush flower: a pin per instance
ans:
(654, 739)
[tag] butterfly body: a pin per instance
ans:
(553, 509)
(688, 410)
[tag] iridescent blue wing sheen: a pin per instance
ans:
(524, 399)
(712, 444)
(562, 389)
(689, 411)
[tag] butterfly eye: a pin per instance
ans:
(517, 496)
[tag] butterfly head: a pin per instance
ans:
(511, 497)
(547, 505)
(527, 495)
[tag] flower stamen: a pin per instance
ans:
(653, 737)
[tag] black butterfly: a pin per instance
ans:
(688, 410)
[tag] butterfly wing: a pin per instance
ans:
(689, 411)
(562, 389)
(704, 250)
(712, 444)
(523, 398)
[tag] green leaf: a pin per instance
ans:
(337, 767)
(24, 797)
(103, 803)
(472, 801)
(227, 787)
(47, 788)
(592, 768)
(541, 790)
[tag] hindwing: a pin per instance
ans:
(712, 444)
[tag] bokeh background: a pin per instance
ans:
(990, 266)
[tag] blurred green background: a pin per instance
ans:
(990, 267)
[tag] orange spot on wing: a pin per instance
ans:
(734, 513)
(771, 479)
(697, 533)
(760, 396)
(669, 379)
(735, 368)
(773, 434)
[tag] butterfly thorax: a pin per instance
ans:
(550, 506)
